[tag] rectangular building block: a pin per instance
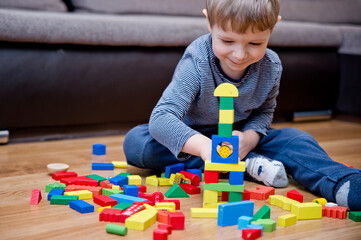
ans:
(94, 189)
(62, 200)
(269, 225)
(134, 180)
(35, 197)
(173, 169)
(244, 221)
(223, 186)
(263, 213)
(55, 191)
(71, 180)
(225, 129)
(211, 176)
(102, 208)
(190, 189)
(109, 192)
(235, 196)
(164, 182)
(82, 194)
(212, 166)
(228, 213)
(106, 184)
(334, 212)
(131, 190)
(307, 210)
(120, 164)
(119, 180)
(81, 206)
(213, 205)
(282, 201)
(226, 103)
(204, 212)
(210, 196)
(236, 178)
(226, 116)
(262, 192)
(355, 216)
(130, 211)
(86, 182)
(58, 185)
(122, 206)
(165, 205)
(102, 166)
(152, 180)
(143, 219)
(233, 158)
(121, 198)
(110, 215)
(287, 220)
(96, 178)
(104, 200)
(176, 219)
(60, 175)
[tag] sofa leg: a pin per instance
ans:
(4, 136)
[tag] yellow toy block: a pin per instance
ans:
(165, 205)
(321, 201)
(204, 212)
(102, 208)
(226, 90)
(226, 116)
(164, 182)
(287, 220)
(209, 166)
(210, 196)
(120, 164)
(282, 201)
(116, 187)
(307, 210)
(152, 180)
(134, 179)
(212, 205)
(178, 178)
(143, 219)
(82, 194)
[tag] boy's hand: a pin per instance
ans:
(248, 140)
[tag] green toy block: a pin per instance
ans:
(162, 175)
(225, 129)
(122, 206)
(57, 185)
(108, 192)
(223, 186)
(62, 199)
(124, 174)
(263, 213)
(226, 103)
(96, 177)
(269, 225)
(176, 192)
(355, 216)
(235, 196)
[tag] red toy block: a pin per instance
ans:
(175, 201)
(160, 234)
(106, 184)
(157, 197)
(262, 192)
(35, 197)
(95, 190)
(246, 195)
(104, 200)
(211, 176)
(334, 212)
(195, 179)
(251, 234)
(110, 215)
(142, 188)
(145, 202)
(146, 196)
(176, 219)
(70, 180)
(60, 175)
(163, 216)
(293, 194)
(86, 182)
(130, 211)
(224, 197)
(166, 227)
(190, 189)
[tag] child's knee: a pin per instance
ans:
(133, 144)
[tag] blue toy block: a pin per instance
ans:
(121, 198)
(254, 226)
(131, 190)
(196, 171)
(102, 166)
(99, 149)
(55, 191)
(175, 168)
(119, 180)
(81, 206)
(244, 221)
(236, 178)
(217, 140)
(228, 213)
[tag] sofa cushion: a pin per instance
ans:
(166, 7)
(45, 5)
(324, 11)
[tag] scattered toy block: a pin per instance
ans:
(176, 192)
(281, 201)
(178, 178)
(115, 187)
(196, 171)
(86, 182)
(131, 190)
(228, 213)
(166, 227)
(143, 219)
(110, 215)
(233, 158)
(157, 197)
(175, 201)
(176, 219)
(130, 211)
(96, 177)
(104, 200)
(55, 191)
(142, 188)
(35, 197)
(162, 216)
(210, 196)
(254, 226)
(109, 192)
(211, 176)
(234, 196)
(106, 184)
(321, 201)
(307, 210)
(251, 234)
(81, 206)
(116, 229)
(160, 234)
(99, 149)
(121, 198)
(71, 180)
(123, 205)
(355, 216)
(62, 200)
(60, 175)
(190, 189)
(244, 221)
(204, 212)
(164, 182)
(236, 178)
(120, 164)
(334, 212)
(124, 174)
(175, 168)
(212, 166)
(263, 213)
(134, 180)
(225, 196)
(269, 225)
(223, 186)
(82, 194)
(102, 208)
(262, 192)
(119, 180)
(293, 194)
(58, 185)
(170, 206)
(246, 195)
(195, 179)
(287, 220)
(213, 205)
(95, 190)
(152, 180)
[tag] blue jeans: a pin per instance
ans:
(299, 152)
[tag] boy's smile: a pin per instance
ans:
(236, 51)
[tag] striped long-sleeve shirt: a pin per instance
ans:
(188, 104)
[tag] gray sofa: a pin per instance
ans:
(86, 62)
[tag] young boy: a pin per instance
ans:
(186, 116)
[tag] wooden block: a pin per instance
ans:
(263, 213)
(102, 208)
(307, 210)
(170, 206)
(190, 189)
(60, 175)
(58, 185)
(210, 196)
(82, 194)
(282, 201)
(173, 169)
(229, 213)
(62, 200)
(134, 180)
(120, 164)
(176, 219)
(251, 234)
(211, 176)
(130, 211)
(95, 190)
(176, 192)
(226, 90)
(235, 196)
(104, 200)
(262, 192)
(223, 186)
(236, 178)
(225, 129)
(204, 212)
(293, 194)
(110, 215)
(244, 221)
(226, 116)
(152, 180)
(269, 225)
(162, 216)
(143, 219)
(321, 201)
(195, 179)
(355, 216)
(334, 212)
(121, 198)
(212, 166)
(164, 182)
(232, 159)
(35, 197)
(81, 206)
(226, 103)
(287, 220)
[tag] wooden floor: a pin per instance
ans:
(23, 168)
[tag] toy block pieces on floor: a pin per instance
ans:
(204, 212)
(60, 175)
(281, 201)
(58, 185)
(143, 219)
(131, 190)
(152, 180)
(334, 212)
(269, 225)
(287, 220)
(62, 200)
(263, 213)
(307, 210)
(293, 194)
(176, 220)
(102, 166)
(228, 213)
(175, 168)
(35, 197)
(104, 200)
(170, 206)
(116, 229)
(82, 194)
(81, 206)
(121, 198)
(120, 164)
(130, 211)
(244, 221)
(251, 234)
(194, 178)
(134, 180)
(262, 192)
(110, 215)
(355, 216)
(176, 192)
(321, 201)
(55, 191)
(190, 189)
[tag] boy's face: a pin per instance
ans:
(236, 51)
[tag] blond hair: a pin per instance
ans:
(242, 14)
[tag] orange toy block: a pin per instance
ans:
(35, 197)
(334, 212)
(162, 216)
(293, 194)
(262, 192)
(95, 190)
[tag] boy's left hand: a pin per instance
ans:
(248, 140)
